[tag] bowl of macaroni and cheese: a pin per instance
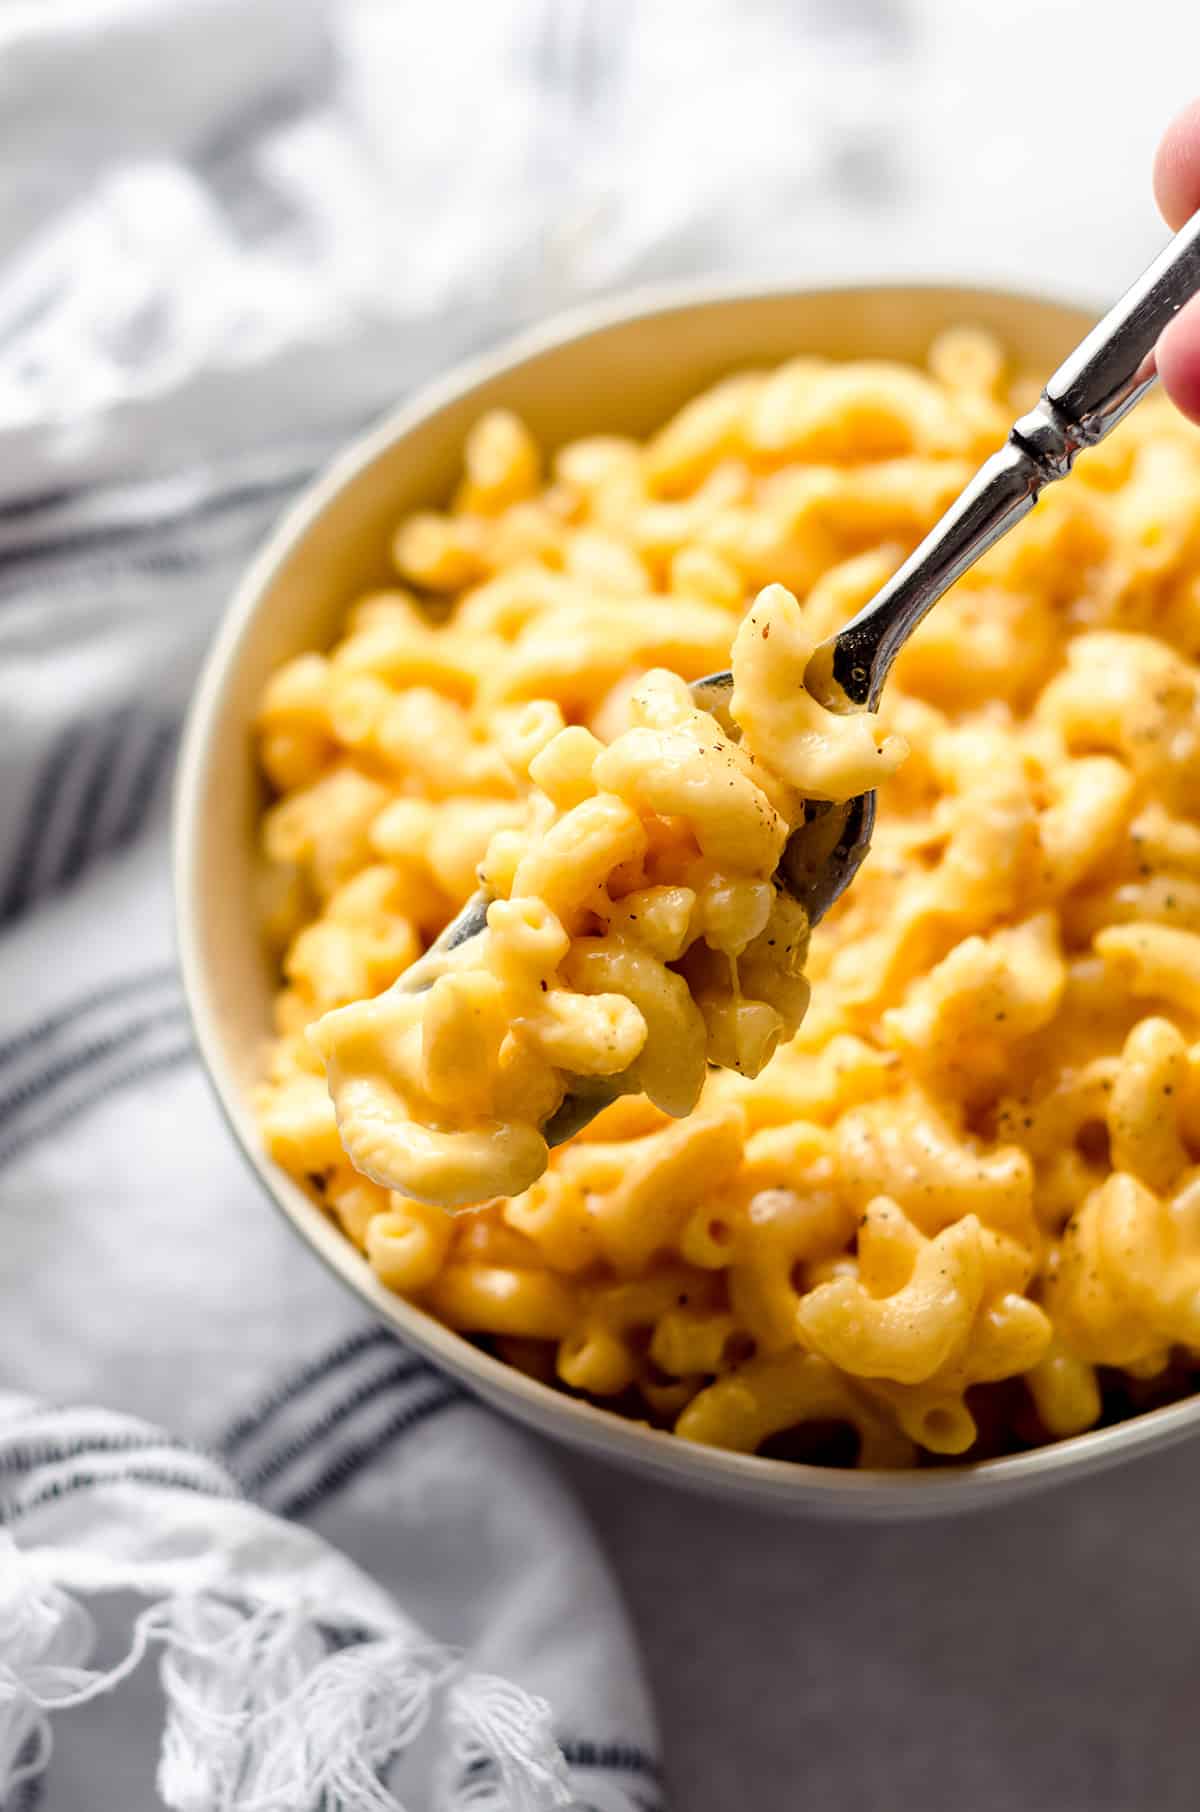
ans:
(891, 1214)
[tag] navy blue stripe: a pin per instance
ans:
(18, 890)
(156, 758)
(35, 1087)
(63, 543)
(269, 1469)
(350, 1463)
(480, 1780)
(141, 1071)
(27, 574)
(12, 507)
(82, 838)
(29, 1793)
(248, 1424)
(107, 736)
(617, 1758)
(44, 1451)
(62, 1017)
(58, 1489)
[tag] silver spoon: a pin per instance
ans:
(1091, 391)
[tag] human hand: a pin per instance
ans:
(1177, 191)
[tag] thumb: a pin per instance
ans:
(1177, 191)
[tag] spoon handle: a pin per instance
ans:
(1092, 389)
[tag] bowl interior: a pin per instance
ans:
(607, 373)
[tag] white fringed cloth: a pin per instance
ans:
(289, 1567)
(165, 1640)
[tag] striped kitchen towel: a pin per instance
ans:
(356, 1587)
(288, 1566)
(288, 1676)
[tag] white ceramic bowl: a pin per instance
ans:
(616, 369)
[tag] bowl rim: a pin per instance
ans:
(851, 1493)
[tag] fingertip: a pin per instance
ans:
(1178, 360)
(1177, 168)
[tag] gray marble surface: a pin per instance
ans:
(1041, 1657)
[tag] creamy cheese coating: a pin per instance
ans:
(959, 1210)
(636, 936)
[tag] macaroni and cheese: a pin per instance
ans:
(958, 1210)
(636, 933)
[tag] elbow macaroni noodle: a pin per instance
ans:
(957, 1210)
(635, 935)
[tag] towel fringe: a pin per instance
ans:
(503, 1756)
(262, 1718)
(46, 1637)
(264, 1712)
